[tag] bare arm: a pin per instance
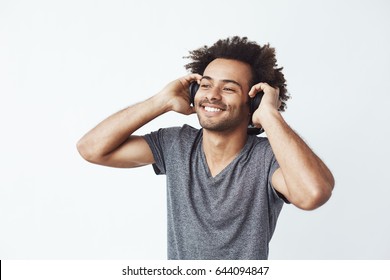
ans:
(111, 142)
(302, 177)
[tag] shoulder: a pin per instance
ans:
(171, 134)
(185, 130)
(261, 146)
(259, 142)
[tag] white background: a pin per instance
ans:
(66, 65)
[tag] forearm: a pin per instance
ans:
(116, 129)
(308, 181)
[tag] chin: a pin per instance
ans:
(226, 126)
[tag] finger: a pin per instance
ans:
(192, 77)
(257, 88)
(185, 81)
(190, 110)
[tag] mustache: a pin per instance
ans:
(217, 103)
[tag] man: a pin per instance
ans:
(225, 188)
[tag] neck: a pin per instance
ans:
(221, 148)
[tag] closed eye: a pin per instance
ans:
(229, 89)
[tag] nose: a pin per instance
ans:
(213, 93)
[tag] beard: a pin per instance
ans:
(217, 126)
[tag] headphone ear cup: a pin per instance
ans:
(253, 105)
(255, 102)
(194, 86)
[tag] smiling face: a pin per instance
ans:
(222, 98)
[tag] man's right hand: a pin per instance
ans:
(175, 95)
(112, 142)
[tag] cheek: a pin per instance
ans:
(198, 96)
(244, 108)
(239, 102)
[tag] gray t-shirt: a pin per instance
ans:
(230, 216)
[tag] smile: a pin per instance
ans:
(212, 109)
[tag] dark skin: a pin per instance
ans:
(221, 106)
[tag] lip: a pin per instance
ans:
(209, 110)
(219, 107)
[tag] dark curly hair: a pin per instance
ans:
(261, 59)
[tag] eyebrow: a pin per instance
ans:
(224, 80)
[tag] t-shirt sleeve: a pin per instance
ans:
(160, 142)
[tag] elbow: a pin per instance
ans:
(317, 196)
(86, 151)
(82, 148)
(315, 201)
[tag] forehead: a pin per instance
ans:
(229, 69)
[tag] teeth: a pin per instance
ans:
(212, 109)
